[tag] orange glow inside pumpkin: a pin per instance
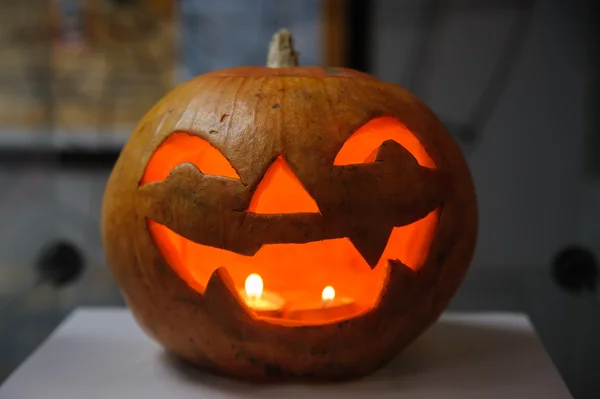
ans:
(280, 191)
(296, 272)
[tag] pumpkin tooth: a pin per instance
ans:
(399, 284)
(393, 151)
(223, 301)
(371, 243)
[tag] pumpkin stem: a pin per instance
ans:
(281, 50)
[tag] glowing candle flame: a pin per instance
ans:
(328, 294)
(254, 286)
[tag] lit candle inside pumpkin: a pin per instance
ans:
(327, 296)
(263, 302)
(329, 307)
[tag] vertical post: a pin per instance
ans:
(359, 34)
(334, 21)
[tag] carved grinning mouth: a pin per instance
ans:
(297, 247)
(296, 269)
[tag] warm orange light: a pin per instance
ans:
(328, 294)
(254, 286)
(295, 272)
(180, 148)
(280, 191)
(362, 145)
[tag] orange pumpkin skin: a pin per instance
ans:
(252, 114)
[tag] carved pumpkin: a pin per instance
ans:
(322, 182)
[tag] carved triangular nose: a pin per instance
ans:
(280, 191)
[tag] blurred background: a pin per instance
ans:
(515, 81)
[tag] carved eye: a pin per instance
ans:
(362, 145)
(407, 243)
(180, 148)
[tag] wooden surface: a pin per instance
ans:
(101, 353)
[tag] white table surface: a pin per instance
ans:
(102, 353)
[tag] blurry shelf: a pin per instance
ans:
(62, 149)
(48, 141)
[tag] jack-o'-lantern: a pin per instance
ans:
(288, 222)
